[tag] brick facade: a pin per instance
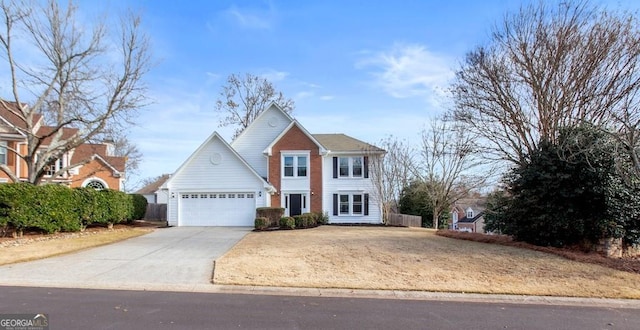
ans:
(296, 139)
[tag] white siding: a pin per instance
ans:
(213, 168)
(200, 174)
(162, 196)
(252, 142)
(347, 185)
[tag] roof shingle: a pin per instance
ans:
(345, 143)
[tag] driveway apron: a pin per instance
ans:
(168, 258)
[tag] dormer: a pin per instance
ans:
(469, 213)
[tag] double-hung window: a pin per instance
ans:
(351, 204)
(295, 166)
(3, 152)
(350, 167)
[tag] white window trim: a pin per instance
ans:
(87, 181)
(295, 155)
(350, 169)
(3, 150)
(350, 201)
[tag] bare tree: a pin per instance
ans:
(243, 98)
(449, 167)
(547, 67)
(123, 147)
(391, 173)
(79, 77)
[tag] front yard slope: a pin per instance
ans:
(411, 259)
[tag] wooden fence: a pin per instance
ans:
(405, 220)
(156, 212)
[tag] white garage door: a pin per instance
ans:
(217, 209)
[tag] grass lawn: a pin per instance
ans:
(38, 247)
(411, 259)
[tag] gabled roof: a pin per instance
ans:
(215, 135)
(321, 148)
(154, 186)
(263, 113)
(477, 217)
(87, 151)
(8, 115)
(67, 133)
(345, 143)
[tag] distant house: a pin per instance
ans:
(153, 191)
(89, 165)
(468, 215)
(274, 162)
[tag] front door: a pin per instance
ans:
(295, 204)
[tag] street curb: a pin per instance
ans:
(431, 296)
(347, 293)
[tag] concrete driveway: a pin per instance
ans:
(176, 258)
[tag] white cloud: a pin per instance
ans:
(253, 18)
(409, 71)
(274, 75)
(327, 97)
(302, 95)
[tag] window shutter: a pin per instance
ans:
(366, 167)
(335, 203)
(335, 168)
(366, 204)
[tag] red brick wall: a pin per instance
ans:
(295, 139)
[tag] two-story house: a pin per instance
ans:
(468, 215)
(274, 162)
(95, 165)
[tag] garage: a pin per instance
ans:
(217, 209)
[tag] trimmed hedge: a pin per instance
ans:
(53, 208)
(261, 223)
(305, 220)
(273, 214)
(287, 223)
(139, 207)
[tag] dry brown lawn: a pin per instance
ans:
(30, 248)
(411, 259)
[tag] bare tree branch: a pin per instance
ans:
(242, 99)
(78, 77)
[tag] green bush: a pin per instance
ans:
(86, 205)
(273, 214)
(287, 223)
(305, 220)
(139, 206)
(261, 223)
(322, 218)
(57, 209)
(52, 208)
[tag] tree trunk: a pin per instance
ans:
(435, 219)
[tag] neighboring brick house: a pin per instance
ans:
(274, 162)
(468, 215)
(97, 168)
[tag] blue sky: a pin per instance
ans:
(368, 69)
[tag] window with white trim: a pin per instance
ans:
(351, 204)
(3, 152)
(95, 184)
(294, 166)
(469, 213)
(350, 167)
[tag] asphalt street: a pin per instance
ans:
(110, 309)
